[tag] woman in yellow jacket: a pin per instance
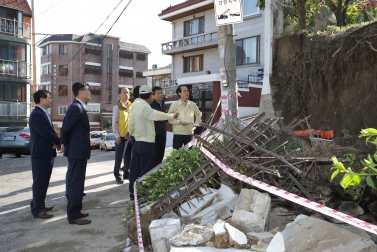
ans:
(184, 123)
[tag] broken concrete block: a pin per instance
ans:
(277, 244)
(225, 192)
(265, 237)
(162, 245)
(252, 211)
(310, 235)
(351, 208)
(221, 236)
(162, 230)
(207, 249)
(259, 247)
(279, 218)
(221, 210)
(192, 235)
(356, 231)
(189, 209)
(236, 237)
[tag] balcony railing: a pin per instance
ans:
(15, 109)
(15, 69)
(196, 41)
(15, 28)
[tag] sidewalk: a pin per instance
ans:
(106, 202)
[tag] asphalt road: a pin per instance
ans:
(106, 202)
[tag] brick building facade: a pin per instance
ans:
(104, 62)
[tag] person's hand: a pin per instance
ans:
(54, 147)
(118, 140)
(175, 114)
(183, 122)
(127, 137)
(61, 150)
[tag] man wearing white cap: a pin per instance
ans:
(141, 127)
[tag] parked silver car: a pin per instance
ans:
(107, 142)
(15, 140)
(95, 137)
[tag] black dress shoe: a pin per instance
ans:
(43, 215)
(80, 221)
(119, 181)
(83, 215)
(125, 175)
(48, 209)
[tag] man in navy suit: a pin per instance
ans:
(43, 144)
(75, 133)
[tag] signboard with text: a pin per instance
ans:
(228, 12)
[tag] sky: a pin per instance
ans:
(139, 23)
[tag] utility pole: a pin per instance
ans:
(33, 88)
(229, 89)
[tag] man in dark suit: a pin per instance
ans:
(75, 132)
(43, 144)
(159, 126)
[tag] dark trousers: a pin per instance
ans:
(67, 176)
(119, 152)
(132, 167)
(41, 169)
(180, 140)
(76, 188)
(160, 144)
(143, 161)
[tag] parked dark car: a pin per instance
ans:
(107, 142)
(15, 140)
(95, 137)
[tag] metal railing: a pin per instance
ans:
(15, 109)
(192, 40)
(15, 69)
(15, 28)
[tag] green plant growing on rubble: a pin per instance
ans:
(178, 166)
(352, 178)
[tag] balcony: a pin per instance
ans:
(193, 43)
(15, 69)
(15, 109)
(15, 28)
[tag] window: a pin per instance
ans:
(63, 49)
(93, 108)
(63, 70)
(46, 50)
(12, 92)
(247, 51)
(95, 90)
(194, 26)
(126, 54)
(17, 51)
(193, 64)
(141, 57)
(250, 7)
(46, 69)
(89, 69)
(126, 73)
(62, 90)
(139, 75)
(62, 110)
(96, 50)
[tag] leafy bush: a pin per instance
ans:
(178, 166)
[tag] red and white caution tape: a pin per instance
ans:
(292, 197)
(137, 216)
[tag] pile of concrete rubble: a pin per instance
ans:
(221, 219)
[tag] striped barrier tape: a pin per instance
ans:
(292, 197)
(137, 216)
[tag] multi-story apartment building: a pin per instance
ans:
(195, 56)
(105, 62)
(15, 62)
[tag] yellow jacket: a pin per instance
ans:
(141, 122)
(186, 113)
(123, 118)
